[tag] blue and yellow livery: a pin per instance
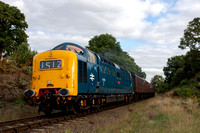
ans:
(70, 77)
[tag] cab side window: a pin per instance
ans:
(118, 74)
(103, 69)
(113, 72)
(82, 71)
(108, 71)
(92, 57)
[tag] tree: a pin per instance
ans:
(173, 64)
(157, 80)
(23, 56)
(106, 45)
(191, 36)
(192, 63)
(12, 29)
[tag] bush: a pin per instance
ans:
(198, 86)
(198, 78)
(164, 87)
(22, 81)
(23, 56)
(184, 92)
(7, 65)
(27, 70)
(188, 83)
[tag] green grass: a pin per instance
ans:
(67, 131)
(158, 115)
(20, 101)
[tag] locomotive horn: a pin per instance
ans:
(64, 92)
(29, 93)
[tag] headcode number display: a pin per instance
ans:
(50, 64)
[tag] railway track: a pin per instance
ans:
(23, 125)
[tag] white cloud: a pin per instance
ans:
(152, 58)
(44, 41)
(55, 22)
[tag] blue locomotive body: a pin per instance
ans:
(98, 75)
(70, 77)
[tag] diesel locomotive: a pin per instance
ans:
(70, 78)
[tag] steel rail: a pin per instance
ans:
(22, 125)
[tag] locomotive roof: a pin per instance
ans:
(85, 52)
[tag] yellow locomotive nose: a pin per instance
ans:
(55, 69)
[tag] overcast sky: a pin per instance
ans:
(149, 30)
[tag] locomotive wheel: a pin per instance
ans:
(73, 108)
(65, 109)
(46, 109)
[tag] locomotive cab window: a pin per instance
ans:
(118, 74)
(113, 72)
(74, 49)
(103, 69)
(108, 71)
(82, 71)
(92, 57)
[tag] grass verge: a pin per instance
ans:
(158, 115)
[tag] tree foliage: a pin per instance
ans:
(192, 63)
(23, 56)
(173, 64)
(182, 72)
(159, 83)
(191, 36)
(181, 69)
(107, 46)
(12, 29)
(104, 43)
(21, 59)
(184, 67)
(157, 80)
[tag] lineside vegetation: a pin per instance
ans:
(182, 73)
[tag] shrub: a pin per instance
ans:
(198, 78)
(7, 65)
(27, 70)
(189, 83)
(198, 86)
(164, 87)
(193, 82)
(23, 56)
(22, 81)
(184, 92)
(184, 82)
